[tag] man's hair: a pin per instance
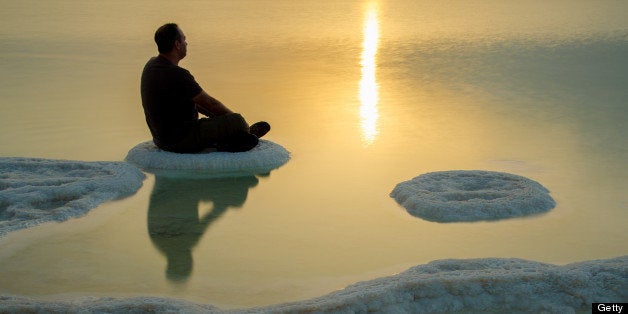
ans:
(165, 36)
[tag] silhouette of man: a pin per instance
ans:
(172, 100)
(174, 223)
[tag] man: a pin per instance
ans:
(172, 100)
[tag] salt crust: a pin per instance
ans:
(34, 190)
(479, 285)
(265, 157)
(463, 195)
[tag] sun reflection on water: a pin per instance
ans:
(369, 96)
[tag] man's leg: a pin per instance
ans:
(229, 133)
(240, 142)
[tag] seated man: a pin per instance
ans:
(172, 101)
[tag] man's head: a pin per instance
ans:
(170, 39)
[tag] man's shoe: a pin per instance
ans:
(259, 129)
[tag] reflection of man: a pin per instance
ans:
(174, 224)
(172, 100)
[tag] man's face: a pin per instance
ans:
(181, 45)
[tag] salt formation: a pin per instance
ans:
(264, 157)
(473, 285)
(486, 285)
(33, 190)
(453, 196)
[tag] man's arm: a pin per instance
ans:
(209, 105)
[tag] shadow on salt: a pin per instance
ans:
(262, 159)
(472, 195)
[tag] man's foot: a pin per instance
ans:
(259, 129)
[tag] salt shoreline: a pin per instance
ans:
(36, 190)
(488, 284)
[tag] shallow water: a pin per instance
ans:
(363, 94)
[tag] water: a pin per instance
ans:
(364, 95)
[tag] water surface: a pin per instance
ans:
(364, 94)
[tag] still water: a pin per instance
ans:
(365, 94)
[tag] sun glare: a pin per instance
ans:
(369, 96)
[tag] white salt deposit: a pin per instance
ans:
(473, 285)
(265, 157)
(33, 190)
(491, 284)
(453, 196)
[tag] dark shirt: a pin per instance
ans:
(167, 92)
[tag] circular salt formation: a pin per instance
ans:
(454, 196)
(265, 157)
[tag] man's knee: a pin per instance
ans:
(235, 121)
(221, 126)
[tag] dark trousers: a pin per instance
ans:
(226, 133)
